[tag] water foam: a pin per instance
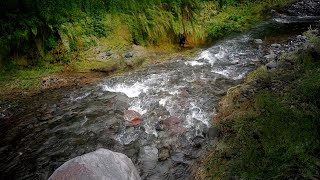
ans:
(131, 91)
(207, 56)
(194, 63)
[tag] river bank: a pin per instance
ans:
(24, 83)
(269, 123)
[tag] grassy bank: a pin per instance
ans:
(270, 124)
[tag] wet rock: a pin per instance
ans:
(181, 172)
(97, 165)
(132, 117)
(149, 153)
(301, 38)
(178, 157)
(130, 130)
(277, 46)
(213, 132)
(164, 154)
(198, 141)
(304, 8)
(158, 127)
(270, 56)
(128, 55)
(258, 41)
(148, 158)
(271, 65)
(121, 102)
(174, 125)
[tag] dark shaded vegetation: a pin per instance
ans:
(273, 133)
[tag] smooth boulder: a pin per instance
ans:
(101, 164)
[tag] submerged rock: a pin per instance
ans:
(148, 157)
(174, 125)
(97, 165)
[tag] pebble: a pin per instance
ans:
(258, 41)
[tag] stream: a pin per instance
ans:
(177, 100)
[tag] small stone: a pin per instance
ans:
(158, 127)
(198, 141)
(164, 154)
(258, 41)
(108, 54)
(130, 130)
(271, 65)
(178, 157)
(128, 55)
(276, 45)
(213, 132)
(270, 56)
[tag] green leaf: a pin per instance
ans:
(34, 30)
(51, 27)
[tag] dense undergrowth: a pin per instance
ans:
(271, 124)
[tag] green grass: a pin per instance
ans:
(274, 134)
(25, 78)
(237, 18)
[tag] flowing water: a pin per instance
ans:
(177, 100)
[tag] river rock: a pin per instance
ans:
(148, 158)
(198, 141)
(258, 41)
(174, 125)
(164, 154)
(270, 56)
(132, 117)
(276, 46)
(271, 65)
(98, 165)
(213, 132)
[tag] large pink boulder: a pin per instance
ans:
(102, 164)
